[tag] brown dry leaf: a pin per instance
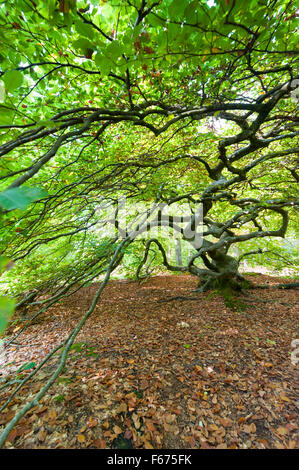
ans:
(106, 425)
(148, 445)
(144, 384)
(171, 428)
(32, 418)
(42, 436)
(264, 442)
(12, 435)
(81, 438)
(101, 407)
(253, 427)
(99, 443)
(284, 397)
(279, 445)
(213, 427)
(150, 426)
(23, 430)
(190, 441)
(217, 408)
(222, 446)
(7, 417)
(170, 418)
(226, 422)
(123, 407)
(92, 423)
(132, 404)
(117, 430)
(230, 331)
(282, 431)
(52, 415)
(128, 434)
(292, 445)
(41, 410)
(249, 428)
(136, 421)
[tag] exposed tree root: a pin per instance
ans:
(290, 285)
(178, 297)
(254, 298)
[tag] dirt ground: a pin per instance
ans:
(150, 373)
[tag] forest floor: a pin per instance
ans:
(150, 373)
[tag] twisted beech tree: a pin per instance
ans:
(189, 102)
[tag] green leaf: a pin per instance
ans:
(107, 11)
(47, 123)
(82, 44)
(190, 11)
(59, 398)
(84, 30)
(114, 50)
(6, 116)
(13, 79)
(103, 63)
(176, 9)
(155, 21)
(20, 198)
(6, 310)
(2, 91)
(3, 262)
(26, 366)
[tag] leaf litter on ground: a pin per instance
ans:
(137, 378)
